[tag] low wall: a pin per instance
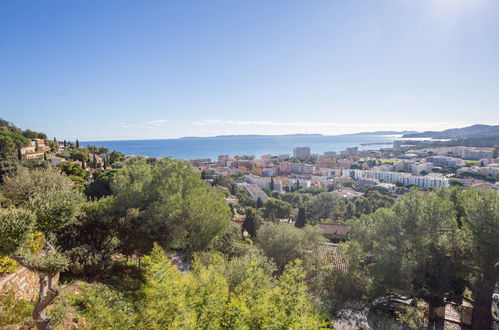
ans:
(23, 282)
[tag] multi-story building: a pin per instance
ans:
(282, 157)
(263, 183)
(329, 154)
(301, 152)
(285, 167)
(254, 191)
(299, 183)
(418, 168)
(302, 168)
(434, 180)
(473, 153)
(445, 161)
(269, 171)
(223, 160)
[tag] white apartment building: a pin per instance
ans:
(418, 168)
(269, 171)
(301, 152)
(299, 183)
(263, 183)
(473, 152)
(302, 168)
(434, 180)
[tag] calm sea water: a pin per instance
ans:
(211, 147)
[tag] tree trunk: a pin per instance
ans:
(47, 295)
(483, 289)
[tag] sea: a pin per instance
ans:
(232, 145)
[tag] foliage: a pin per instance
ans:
(480, 176)
(91, 241)
(252, 222)
(115, 157)
(326, 206)
(284, 243)
(101, 185)
(12, 310)
(103, 308)
(7, 265)
(301, 220)
(230, 243)
(410, 249)
(276, 209)
(7, 147)
(72, 169)
(169, 204)
(25, 184)
(15, 229)
(203, 298)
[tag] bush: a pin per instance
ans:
(7, 265)
(12, 310)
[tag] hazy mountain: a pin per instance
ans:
(455, 133)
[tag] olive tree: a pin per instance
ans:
(41, 208)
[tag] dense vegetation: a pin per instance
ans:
(149, 244)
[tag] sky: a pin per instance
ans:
(128, 69)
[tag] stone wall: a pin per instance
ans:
(23, 282)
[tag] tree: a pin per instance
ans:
(116, 156)
(284, 243)
(77, 144)
(276, 209)
(259, 203)
(326, 206)
(480, 224)
(302, 218)
(169, 204)
(272, 186)
(410, 250)
(101, 185)
(72, 169)
(48, 210)
(251, 222)
(7, 147)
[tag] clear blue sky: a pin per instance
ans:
(128, 69)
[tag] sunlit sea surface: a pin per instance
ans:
(257, 145)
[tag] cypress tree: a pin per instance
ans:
(94, 161)
(77, 144)
(272, 186)
(259, 203)
(251, 222)
(19, 154)
(302, 218)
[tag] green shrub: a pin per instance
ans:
(7, 265)
(12, 310)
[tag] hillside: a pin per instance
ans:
(456, 133)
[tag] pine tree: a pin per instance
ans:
(272, 186)
(302, 218)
